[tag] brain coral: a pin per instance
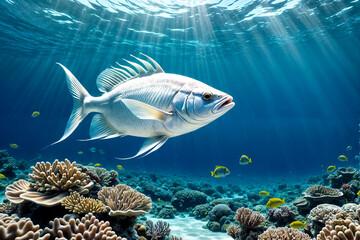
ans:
(86, 228)
(187, 198)
(283, 233)
(124, 200)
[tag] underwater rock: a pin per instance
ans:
(213, 226)
(302, 204)
(187, 198)
(349, 195)
(281, 216)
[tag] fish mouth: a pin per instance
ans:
(225, 104)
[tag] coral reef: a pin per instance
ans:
(79, 204)
(282, 215)
(168, 211)
(318, 194)
(187, 198)
(101, 175)
(53, 182)
(340, 229)
(12, 227)
(124, 201)
(157, 231)
(284, 233)
(247, 218)
(88, 227)
(201, 211)
(342, 176)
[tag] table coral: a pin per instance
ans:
(321, 194)
(79, 204)
(53, 183)
(123, 200)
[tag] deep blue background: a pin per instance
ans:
(297, 103)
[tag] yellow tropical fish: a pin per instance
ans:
(264, 193)
(14, 145)
(35, 114)
(342, 158)
(2, 176)
(330, 168)
(358, 193)
(275, 202)
(220, 171)
(159, 200)
(297, 224)
(244, 160)
(120, 167)
(80, 152)
(97, 164)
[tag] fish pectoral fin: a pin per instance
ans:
(146, 111)
(150, 145)
(100, 128)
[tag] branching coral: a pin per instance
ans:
(59, 176)
(124, 200)
(86, 228)
(346, 229)
(247, 218)
(283, 233)
(233, 231)
(53, 182)
(79, 204)
(12, 227)
(159, 230)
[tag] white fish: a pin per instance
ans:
(148, 103)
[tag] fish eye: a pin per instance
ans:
(207, 96)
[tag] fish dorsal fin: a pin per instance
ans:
(111, 77)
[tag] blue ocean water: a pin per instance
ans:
(292, 67)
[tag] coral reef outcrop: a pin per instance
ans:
(187, 198)
(283, 233)
(123, 200)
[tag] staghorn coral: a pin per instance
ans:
(345, 229)
(159, 230)
(53, 183)
(79, 204)
(233, 231)
(247, 218)
(123, 200)
(59, 176)
(86, 228)
(283, 233)
(15, 228)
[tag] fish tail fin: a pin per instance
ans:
(212, 173)
(249, 160)
(79, 93)
(283, 201)
(305, 224)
